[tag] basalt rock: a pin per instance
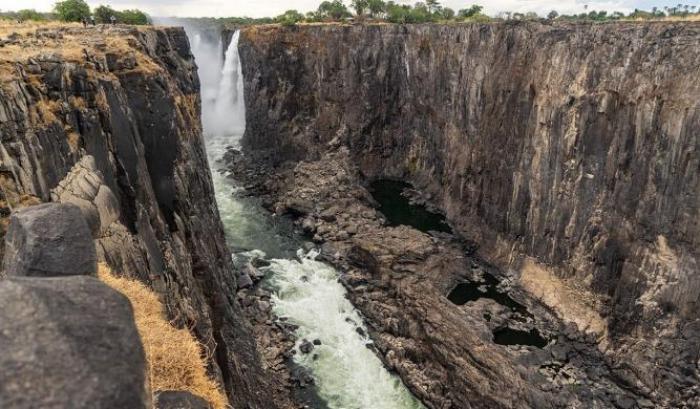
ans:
(69, 342)
(568, 152)
(179, 400)
(49, 240)
(108, 119)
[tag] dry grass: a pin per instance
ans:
(8, 27)
(46, 111)
(175, 358)
(72, 43)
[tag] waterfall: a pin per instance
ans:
(229, 107)
(306, 291)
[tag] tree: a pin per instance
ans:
(289, 18)
(447, 13)
(72, 10)
(30, 14)
(133, 16)
(397, 13)
(360, 6)
(334, 10)
(432, 5)
(469, 12)
(552, 15)
(376, 7)
(103, 13)
(420, 13)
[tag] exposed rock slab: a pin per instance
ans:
(179, 400)
(69, 342)
(49, 240)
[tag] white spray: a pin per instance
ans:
(307, 292)
(229, 108)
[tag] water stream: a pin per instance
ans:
(347, 374)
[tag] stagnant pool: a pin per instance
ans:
(398, 210)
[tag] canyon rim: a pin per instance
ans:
(354, 214)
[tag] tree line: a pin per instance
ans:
(380, 10)
(79, 11)
(432, 11)
(391, 11)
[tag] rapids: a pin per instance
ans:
(347, 373)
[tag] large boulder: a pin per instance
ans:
(49, 240)
(179, 400)
(69, 342)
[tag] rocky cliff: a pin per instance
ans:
(108, 119)
(569, 153)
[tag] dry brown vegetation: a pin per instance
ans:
(176, 360)
(72, 42)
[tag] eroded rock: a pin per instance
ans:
(69, 342)
(179, 400)
(49, 240)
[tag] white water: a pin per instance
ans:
(348, 375)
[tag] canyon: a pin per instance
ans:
(497, 215)
(566, 153)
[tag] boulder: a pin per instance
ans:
(306, 347)
(49, 240)
(179, 400)
(69, 342)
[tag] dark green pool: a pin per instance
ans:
(399, 211)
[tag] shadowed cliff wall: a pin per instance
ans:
(576, 145)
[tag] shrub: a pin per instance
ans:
(133, 16)
(333, 10)
(72, 10)
(175, 358)
(289, 18)
(103, 13)
(30, 14)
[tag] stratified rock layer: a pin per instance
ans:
(568, 152)
(108, 119)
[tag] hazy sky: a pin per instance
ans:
(261, 8)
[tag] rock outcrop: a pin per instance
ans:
(49, 240)
(179, 400)
(69, 342)
(108, 119)
(567, 152)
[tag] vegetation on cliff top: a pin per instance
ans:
(391, 11)
(175, 359)
(79, 11)
(432, 11)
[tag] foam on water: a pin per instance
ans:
(347, 372)
(348, 375)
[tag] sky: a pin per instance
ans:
(268, 8)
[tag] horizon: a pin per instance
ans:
(256, 9)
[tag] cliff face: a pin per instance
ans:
(568, 153)
(108, 119)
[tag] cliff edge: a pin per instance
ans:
(108, 119)
(567, 152)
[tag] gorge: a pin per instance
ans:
(567, 153)
(497, 215)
